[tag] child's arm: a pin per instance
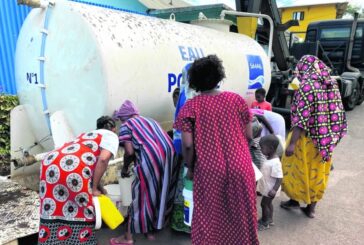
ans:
(265, 122)
(272, 193)
(270, 107)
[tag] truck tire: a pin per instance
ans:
(361, 94)
(351, 101)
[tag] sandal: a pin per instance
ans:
(290, 204)
(271, 223)
(150, 237)
(263, 225)
(113, 241)
(308, 213)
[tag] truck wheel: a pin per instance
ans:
(361, 95)
(351, 101)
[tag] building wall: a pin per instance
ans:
(11, 19)
(311, 14)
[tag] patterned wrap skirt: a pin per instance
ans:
(305, 175)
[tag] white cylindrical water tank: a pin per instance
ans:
(95, 58)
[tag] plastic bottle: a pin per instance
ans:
(188, 201)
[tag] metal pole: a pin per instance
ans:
(264, 16)
(351, 44)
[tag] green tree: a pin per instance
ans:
(7, 102)
(352, 9)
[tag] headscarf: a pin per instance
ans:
(259, 112)
(317, 107)
(310, 67)
(126, 110)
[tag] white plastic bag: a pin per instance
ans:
(258, 174)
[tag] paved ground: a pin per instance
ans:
(339, 216)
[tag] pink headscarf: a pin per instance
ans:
(126, 110)
(259, 112)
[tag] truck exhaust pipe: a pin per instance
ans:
(351, 44)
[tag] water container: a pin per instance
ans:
(98, 220)
(125, 190)
(109, 213)
(113, 192)
(257, 173)
(188, 201)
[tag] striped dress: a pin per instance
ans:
(153, 188)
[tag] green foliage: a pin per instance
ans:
(7, 103)
(352, 9)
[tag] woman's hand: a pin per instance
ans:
(129, 157)
(290, 150)
(296, 134)
(189, 174)
(102, 189)
(272, 193)
(125, 172)
(96, 192)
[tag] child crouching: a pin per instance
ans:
(270, 184)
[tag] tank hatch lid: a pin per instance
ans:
(188, 14)
(217, 24)
(164, 4)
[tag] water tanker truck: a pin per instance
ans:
(77, 62)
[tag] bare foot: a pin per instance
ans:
(121, 240)
(150, 236)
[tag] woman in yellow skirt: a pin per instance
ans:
(318, 125)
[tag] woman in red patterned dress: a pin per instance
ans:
(215, 129)
(70, 176)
